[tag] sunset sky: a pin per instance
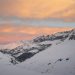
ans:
(25, 19)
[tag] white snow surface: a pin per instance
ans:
(38, 64)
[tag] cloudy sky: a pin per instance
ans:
(24, 19)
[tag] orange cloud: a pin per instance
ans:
(31, 30)
(38, 8)
(6, 38)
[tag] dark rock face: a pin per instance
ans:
(27, 55)
(67, 59)
(51, 37)
(24, 56)
(61, 36)
(72, 37)
(19, 54)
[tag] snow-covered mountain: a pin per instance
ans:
(45, 55)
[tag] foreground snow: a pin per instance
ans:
(47, 62)
(44, 63)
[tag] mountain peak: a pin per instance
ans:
(57, 36)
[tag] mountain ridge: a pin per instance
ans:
(49, 55)
(27, 49)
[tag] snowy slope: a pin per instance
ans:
(48, 62)
(13, 70)
(44, 63)
(6, 68)
(4, 58)
(46, 55)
